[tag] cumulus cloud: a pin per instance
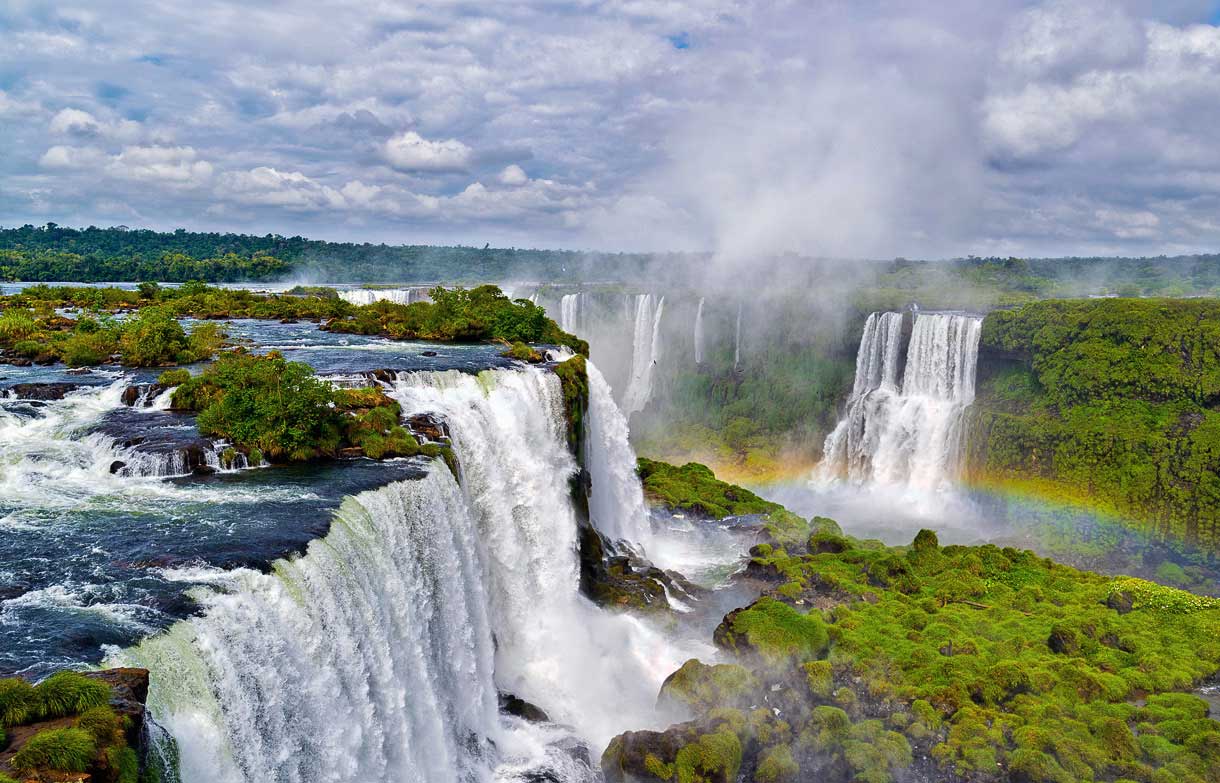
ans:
(513, 175)
(411, 152)
(903, 127)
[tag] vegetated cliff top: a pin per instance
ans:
(868, 662)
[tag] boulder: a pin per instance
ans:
(512, 705)
(42, 391)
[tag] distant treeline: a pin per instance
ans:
(55, 253)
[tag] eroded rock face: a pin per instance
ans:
(129, 689)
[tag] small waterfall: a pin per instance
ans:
(645, 351)
(737, 340)
(616, 500)
(572, 313)
(699, 332)
(908, 435)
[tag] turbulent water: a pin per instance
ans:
(377, 655)
(906, 433)
(645, 351)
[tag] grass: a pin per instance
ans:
(66, 750)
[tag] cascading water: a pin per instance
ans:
(616, 500)
(909, 434)
(572, 313)
(645, 351)
(699, 332)
(367, 296)
(372, 657)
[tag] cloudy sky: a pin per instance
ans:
(858, 128)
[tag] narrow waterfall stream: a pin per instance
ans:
(645, 351)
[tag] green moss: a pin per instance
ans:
(776, 765)
(66, 750)
(694, 488)
(523, 353)
(574, 380)
(702, 687)
(713, 758)
(774, 630)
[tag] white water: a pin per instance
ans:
(372, 658)
(572, 313)
(366, 296)
(645, 351)
(909, 435)
(616, 499)
(699, 333)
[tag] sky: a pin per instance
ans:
(863, 128)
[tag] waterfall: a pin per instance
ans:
(645, 351)
(572, 313)
(367, 296)
(370, 658)
(699, 332)
(377, 655)
(909, 434)
(737, 340)
(616, 499)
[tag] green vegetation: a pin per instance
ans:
(460, 315)
(93, 739)
(1106, 402)
(153, 337)
(988, 664)
(694, 488)
(574, 380)
(279, 410)
(31, 328)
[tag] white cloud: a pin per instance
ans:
(66, 157)
(174, 166)
(74, 121)
(411, 152)
(267, 186)
(513, 176)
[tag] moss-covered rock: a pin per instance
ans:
(700, 687)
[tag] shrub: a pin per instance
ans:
(67, 750)
(175, 377)
(153, 337)
(16, 325)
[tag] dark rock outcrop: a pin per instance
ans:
(45, 392)
(512, 705)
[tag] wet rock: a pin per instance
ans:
(351, 452)
(622, 580)
(428, 426)
(129, 692)
(42, 391)
(142, 394)
(117, 465)
(1064, 640)
(1121, 601)
(428, 353)
(382, 376)
(512, 705)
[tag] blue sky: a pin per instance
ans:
(868, 128)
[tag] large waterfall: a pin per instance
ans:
(645, 351)
(616, 500)
(378, 654)
(908, 433)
